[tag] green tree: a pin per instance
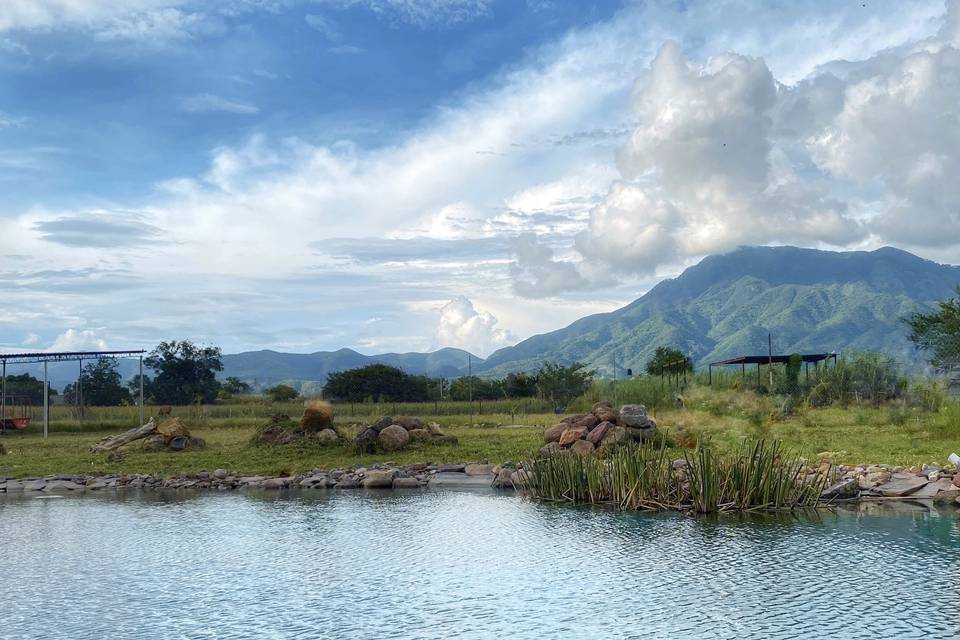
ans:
(282, 393)
(663, 357)
(378, 382)
(186, 373)
(235, 386)
(519, 385)
(562, 384)
(938, 334)
(25, 385)
(467, 387)
(100, 385)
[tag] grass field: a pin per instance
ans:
(893, 434)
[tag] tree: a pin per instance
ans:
(25, 385)
(282, 393)
(472, 387)
(100, 385)
(563, 383)
(938, 334)
(519, 385)
(234, 386)
(377, 382)
(186, 373)
(663, 357)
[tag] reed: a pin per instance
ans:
(758, 476)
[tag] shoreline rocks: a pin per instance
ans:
(603, 427)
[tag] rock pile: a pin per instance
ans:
(929, 482)
(316, 426)
(393, 433)
(172, 435)
(603, 427)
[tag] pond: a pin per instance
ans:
(460, 564)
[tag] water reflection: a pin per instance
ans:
(439, 564)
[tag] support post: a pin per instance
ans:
(710, 374)
(79, 393)
(758, 375)
(46, 401)
(3, 396)
(141, 389)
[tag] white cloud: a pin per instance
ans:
(461, 325)
(210, 103)
(79, 340)
(422, 13)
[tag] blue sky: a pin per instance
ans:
(409, 174)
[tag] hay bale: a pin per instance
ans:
(317, 416)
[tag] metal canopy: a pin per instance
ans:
(59, 356)
(776, 359)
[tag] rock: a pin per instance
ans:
(840, 490)
(582, 447)
(178, 443)
(604, 412)
(12, 486)
(409, 423)
(940, 490)
(902, 485)
(553, 433)
(96, 483)
(327, 437)
(434, 429)
(679, 463)
(155, 442)
(634, 416)
(956, 480)
(220, 474)
(366, 440)
(589, 421)
(275, 484)
(596, 435)
(441, 440)
(62, 485)
(382, 424)
(641, 435)
(478, 469)
(405, 483)
(393, 438)
(173, 428)
(503, 478)
(380, 478)
(874, 479)
(451, 468)
(197, 443)
(348, 482)
(571, 435)
(419, 435)
(615, 436)
(550, 448)
(34, 485)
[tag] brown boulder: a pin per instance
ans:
(156, 442)
(589, 421)
(393, 438)
(956, 479)
(634, 416)
(382, 424)
(615, 435)
(605, 412)
(571, 435)
(173, 428)
(550, 448)
(419, 435)
(366, 440)
(408, 422)
(553, 433)
(327, 436)
(598, 433)
(582, 446)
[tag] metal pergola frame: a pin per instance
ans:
(770, 359)
(59, 356)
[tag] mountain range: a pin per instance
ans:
(809, 300)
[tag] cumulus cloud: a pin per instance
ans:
(79, 340)
(422, 13)
(461, 325)
(537, 274)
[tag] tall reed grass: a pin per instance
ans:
(759, 476)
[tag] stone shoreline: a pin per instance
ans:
(853, 483)
(381, 476)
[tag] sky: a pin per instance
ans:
(405, 175)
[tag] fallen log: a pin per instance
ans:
(114, 442)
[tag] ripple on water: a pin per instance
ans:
(441, 564)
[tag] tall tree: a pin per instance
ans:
(235, 386)
(25, 385)
(668, 360)
(938, 334)
(100, 385)
(563, 383)
(186, 373)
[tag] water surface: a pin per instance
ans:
(444, 564)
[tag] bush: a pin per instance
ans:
(282, 393)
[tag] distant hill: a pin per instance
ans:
(810, 300)
(307, 371)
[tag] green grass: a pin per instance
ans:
(855, 434)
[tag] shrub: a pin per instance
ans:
(282, 393)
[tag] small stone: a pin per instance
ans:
(327, 437)
(12, 486)
(220, 474)
(409, 423)
(452, 468)
(405, 483)
(276, 483)
(419, 435)
(679, 463)
(478, 469)
(62, 485)
(503, 479)
(843, 489)
(614, 437)
(348, 482)
(550, 449)
(634, 415)
(379, 478)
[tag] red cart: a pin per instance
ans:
(16, 413)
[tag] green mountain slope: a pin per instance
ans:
(811, 301)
